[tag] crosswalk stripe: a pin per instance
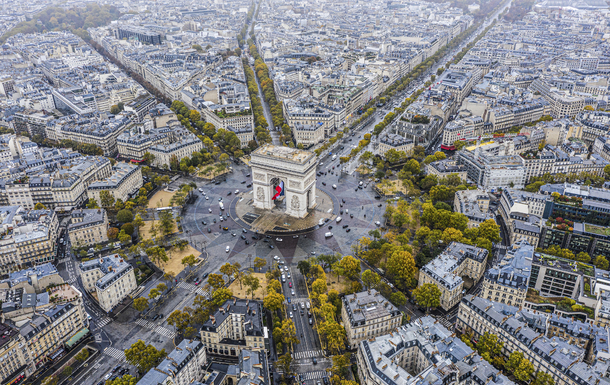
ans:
(115, 353)
(307, 354)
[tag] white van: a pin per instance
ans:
(334, 157)
(328, 235)
(338, 219)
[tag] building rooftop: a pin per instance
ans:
(366, 306)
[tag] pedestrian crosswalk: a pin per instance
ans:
(317, 375)
(307, 354)
(187, 286)
(115, 353)
(103, 322)
(194, 289)
(204, 293)
(157, 329)
(165, 332)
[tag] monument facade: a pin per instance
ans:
(271, 165)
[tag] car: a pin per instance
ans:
(271, 247)
(291, 316)
(292, 292)
(311, 321)
(295, 236)
(225, 228)
(123, 371)
(345, 226)
(378, 223)
(236, 192)
(275, 257)
(341, 211)
(313, 253)
(116, 368)
(229, 193)
(247, 175)
(323, 183)
(283, 278)
(247, 242)
(268, 236)
(217, 183)
(289, 283)
(278, 239)
(207, 199)
(243, 182)
(286, 268)
(379, 205)
(214, 220)
(325, 380)
(219, 199)
(266, 240)
(348, 230)
(210, 210)
(249, 185)
(351, 215)
(221, 218)
(294, 307)
(288, 274)
(315, 361)
(343, 200)
(309, 314)
(233, 234)
(330, 227)
(227, 249)
(303, 305)
(244, 231)
(288, 299)
(204, 223)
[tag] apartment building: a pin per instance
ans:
(245, 134)
(507, 282)
(141, 106)
(554, 345)
(395, 142)
(19, 305)
(46, 333)
(423, 352)
(236, 115)
(558, 277)
(181, 148)
(490, 172)
(578, 203)
(517, 205)
(125, 181)
(237, 325)
(111, 278)
(32, 122)
(133, 143)
(182, 366)
(32, 280)
(91, 128)
(444, 168)
(366, 315)
(15, 363)
(474, 204)
(554, 160)
(461, 129)
(308, 134)
(584, 237)
(446, 271)
(563, 103)
(88, 227)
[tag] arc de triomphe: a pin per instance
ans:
(296, 168)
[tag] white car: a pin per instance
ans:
(291, 316)
(228, 249)
(292, 292)
(378, 223)
(288, 275)
(210, 210)
(286, 268)
(206, 198)
(276, 258)
(236, 192)
(278, 239)
(200, 190)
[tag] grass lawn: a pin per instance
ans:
(597, 229)
(363, 170)
(242, 293)
(161, 197)
(391, 187)
(333, 282)
(175, 259)
(213, 173)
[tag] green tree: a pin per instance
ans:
(166, 223)
(124, 238)
(370, 279)
(398, 298)
(50, 380)
(524, 371)
(514, 359)
(140, 304)
(334, 335)
(304, 267)
(143, 356)
(127, 379)
(92, 204)
(124, 216)
(189, 261)
(427, 296)
(490, 230)
(114, 109)
(179, 319)
(341, 365)
(157, 254)
(289, 332)
(542, 378)
(284, 362)
(128, 228)
(601, 262)
(221, 296)
(259, 263)
(252, 283)
(401, 268)
(273, 301)
(82, 355)
(583, 257)
(107, 199)
(216, 281)
(67, 371)
(349, 266)
(489, 343)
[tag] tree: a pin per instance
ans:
(67, 371)
(341, 364)
(542, 378)
(259, 263)
(524, 371)
(114, 109)
(490, 230)
(583, 257)
(601, 262)
(285, 363)
(274, 284)
(289, 332)
(252, 283)
(514, 359)
(319, 286)
(335, 335)
(304, 267)
(221, 296)
(401, 267)
(50, 380)
(128, 228)
(489, 343)
(216, 281)
(179, 319)
(107, 199)
(40, 206)
(157, 254)
(230, 269)
(127, 379)
(143, 356)
(189, 261)
(124, 238)
(137, 222)
(427, 295)
(398, 298)
(349, 266)
(82, 355)
(370, 279)
(140, 304)
(166, 223)
(112, 233)
(124, 216)
(92, 203)
(273, 301)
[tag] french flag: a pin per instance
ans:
(280, 191)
